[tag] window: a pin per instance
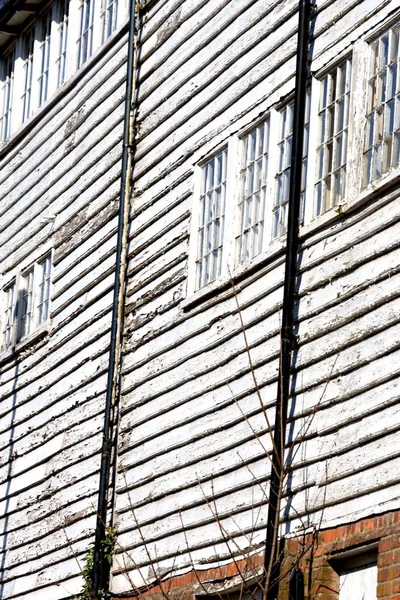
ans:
(61, 60)
(7, 94)
(253, 193)
(359, 93)
(279, 211)
(333, 136)
(108, 18)
(85, 40)
(211, 224)
(47, 54)
(9, 313)
(382, 135)
(27, 55)
(358, 583)
(27, 301)
(44, 268)
(44, 54)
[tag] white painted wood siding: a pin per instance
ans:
(53, 391)
(207, 70)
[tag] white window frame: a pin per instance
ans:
(212, 215)
(44, 34)
(355, 192)
(7, 94)
(55, 60)
(43, 268)
(28, 48)
(26, 320)
(108, 18)
(252, 201)
(9, 313)
(333, 124)
(85, 41)
(227, 259)
(62, 35)
(355, 140)
(283, 167)
(382, 93)
(27, 301)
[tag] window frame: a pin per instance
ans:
(86, 10)
(227, 260)
(278, 172)
(108, 19)
(61, 60)
(27, 52)
(62, 41)
(209, 264)
(19, 280)
(44, 39)
(329, 167)
(7, 90)
(376, 112)
(26, 307)
(43, 291)
(8, 330)
(241, 193)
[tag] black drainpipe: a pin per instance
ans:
(296, 585)
(101, 567)
(272, 556)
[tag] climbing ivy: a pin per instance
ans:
(108, 544)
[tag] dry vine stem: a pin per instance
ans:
(248, 587)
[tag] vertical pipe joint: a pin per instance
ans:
(271, 563)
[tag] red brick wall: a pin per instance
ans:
(320, 551)
(315, 554)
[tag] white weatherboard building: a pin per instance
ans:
(178, 365)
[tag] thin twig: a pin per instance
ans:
(250, 362)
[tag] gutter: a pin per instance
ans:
(101, 566)
(287, 339)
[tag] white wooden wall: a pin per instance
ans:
(208, 69)
(186, 451)
(52, 393)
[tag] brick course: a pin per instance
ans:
(315, 554)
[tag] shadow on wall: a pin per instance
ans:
(6, 514)
(290, 440)
(11, 457)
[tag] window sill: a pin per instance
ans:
(374, 188)
(224, 283)
(383, 184)
(31, 339)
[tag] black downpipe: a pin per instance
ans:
(296, 585)
(272, 561)
(101, 567)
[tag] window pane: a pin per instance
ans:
(44, 27)
(85, 40)
(9, 314)
(382, 127)
(211, 224)
(252, 200)
(279, 217)
(108, 18)
(359, 583)
(44, 290)
(27, 324)
(332, 148)
(7, 94)
(27, 56)
(62, 31)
